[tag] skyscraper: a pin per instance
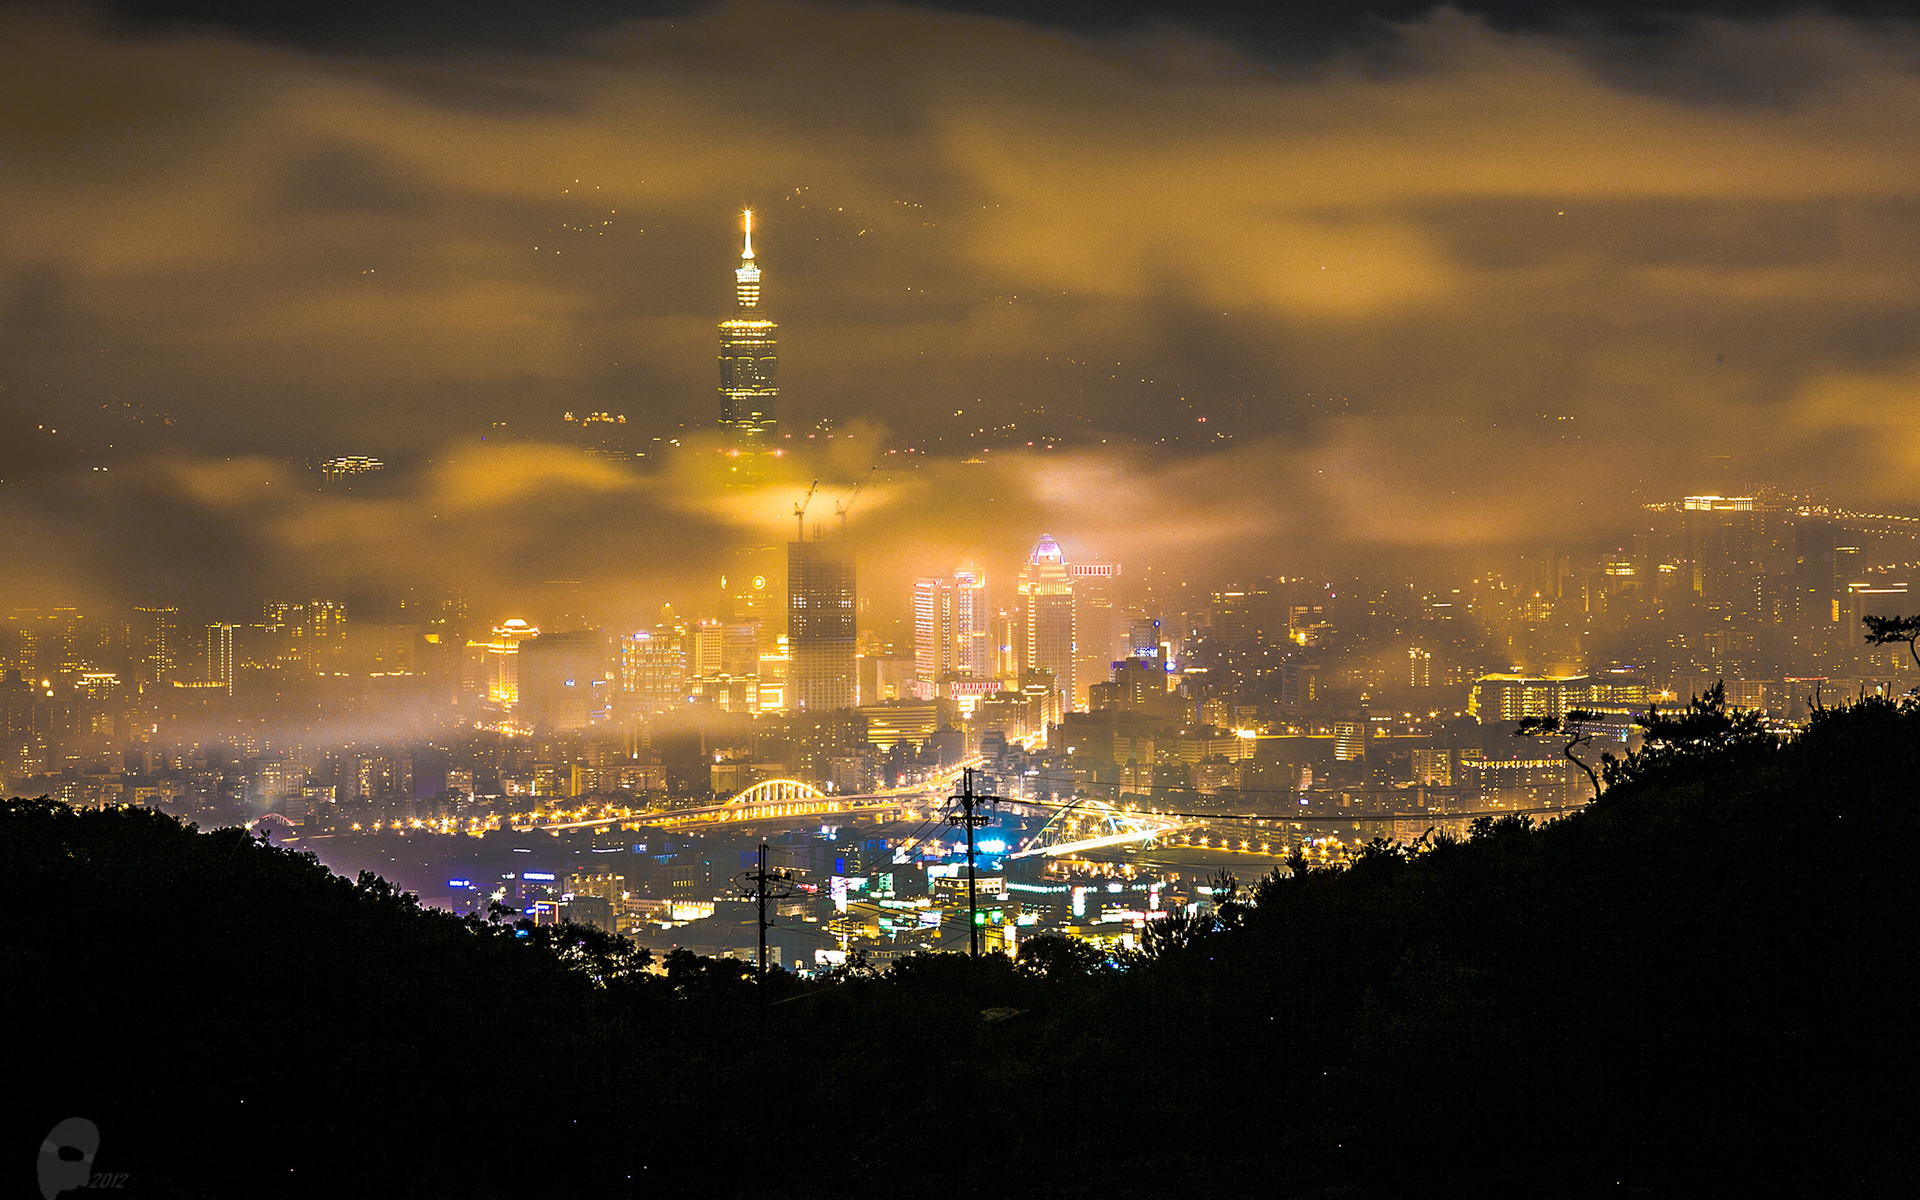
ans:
(563, 681)
(156, 640)
(652, 672)
(310, 634)
(950, 628)
(932, 629)
(503, 661)
(1046, 615)
(1099, 626)
(748, 386)
(972, 654)
(724, 657)
(220, 655)
(820, 626)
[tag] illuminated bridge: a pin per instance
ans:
(778, 791)
(771, 800)
(1093, 825)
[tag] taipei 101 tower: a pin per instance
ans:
(748, 384)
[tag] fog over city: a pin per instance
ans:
(1433, 288)
(692, 598)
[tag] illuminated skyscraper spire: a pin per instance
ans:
(748, 361)
(746, 278)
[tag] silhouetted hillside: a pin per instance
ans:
(1697, 986)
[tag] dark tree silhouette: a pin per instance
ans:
(1884, 631)
(1176, 931)
(1571, 727)
(693, 974)
(1706, 729)
(1056, 956)
(1229, 908)
(1713, 957)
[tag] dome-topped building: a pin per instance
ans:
(1046, 615)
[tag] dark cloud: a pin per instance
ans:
(1422, 294)
(1285, 31)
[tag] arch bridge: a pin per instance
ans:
(768, 799)
(778, 791)
(778, 798)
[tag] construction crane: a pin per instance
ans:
(841, 506)
(800, 513)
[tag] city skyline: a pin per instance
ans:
(1314, 559)
(536, 592)
(1341, 579)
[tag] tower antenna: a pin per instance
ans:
(747, 252)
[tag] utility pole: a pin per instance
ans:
(967, 818)
(754, 887)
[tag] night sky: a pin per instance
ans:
(1440, 284)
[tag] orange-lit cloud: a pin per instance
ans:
(1442, 296)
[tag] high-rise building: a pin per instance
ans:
(950, 635)
(1003, 641)
(750, 595)
(21, 744)
(749, 387)
(820, 626)
(1046, 616)
(973, 651)
(652, 672)
(932, 629)
(52, 642)
(220, 656)
(1419, 667)
(503, 660)
(563, 681)
(740, 649)
(1143, 638)
(310, 635)
(1299, 684)
(707, 648)
(1740, 557)
(155, 643)
(724, 663)
(773, 675)
(1099, 625)
(1247, 625)
(325, 629)
(23, 645)
(1500, 698)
